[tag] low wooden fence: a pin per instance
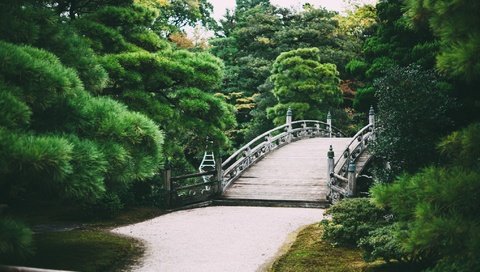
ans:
(192, 188)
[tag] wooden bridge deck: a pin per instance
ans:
(295, 172)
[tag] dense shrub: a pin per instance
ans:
(413, 107)
(385, 243)
(439, 206)
(352, 220)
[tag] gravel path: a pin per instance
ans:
(217, 238)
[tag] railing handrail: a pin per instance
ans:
(194, 175)
(246, 146)
(187, 187)
(268, 133)
(321, 122)
(354, 138)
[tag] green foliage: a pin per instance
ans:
(15, 240)
(31, 162)
(356, 67)
(364, 99)
(16, 113)
(456, 23)
(437, 204)
(301, 81)
(89, 167)
(34, 25)
(252, 38)
(393, 42)
(310, 253)
(68, 157)
(76, 8)
(438, 207)
(174, 15)
(462, 148)
(173, 87)
(413, 107)
(384, 242)
(352, 220)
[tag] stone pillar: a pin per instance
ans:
(352, 182)
(330, 162)
(219, 175)
(289, 124)
(289, 117)
(329, 123)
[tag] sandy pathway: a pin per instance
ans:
(217, 238)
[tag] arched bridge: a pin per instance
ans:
(294, 163)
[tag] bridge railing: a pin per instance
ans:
(271, 140)
(343, 174)
(190, 188)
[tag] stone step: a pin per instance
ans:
(271, 203)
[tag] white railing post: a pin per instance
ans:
(352, 183)
(329, 123)
(268, 139)
(289, 124)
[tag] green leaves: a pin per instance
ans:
(302, 82)
(456, 23)
(352, 220)
(438, 206)
(53, 132)
(413, 107)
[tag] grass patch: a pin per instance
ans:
(92, 250)
(309, 253)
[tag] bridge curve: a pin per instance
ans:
(296, 172)
(286, 164)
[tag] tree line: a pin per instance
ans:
(97, 97)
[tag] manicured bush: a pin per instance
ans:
(384, 243)
(352, 220)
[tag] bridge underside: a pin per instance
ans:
(296, 172)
